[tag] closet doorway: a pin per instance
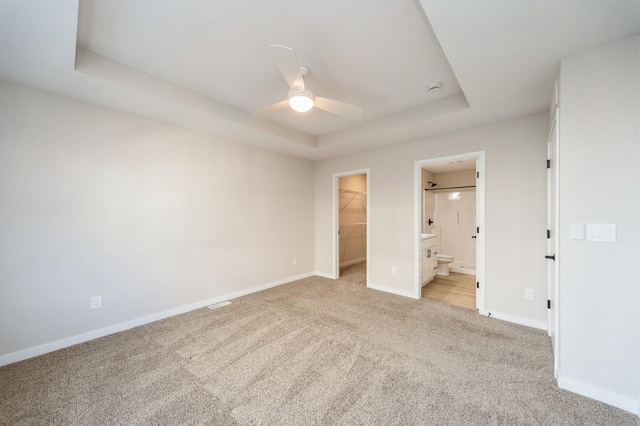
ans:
(351, 207)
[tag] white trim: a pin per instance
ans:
(336, 221)
(462, 271)
(481, 238)
(557, 262)
(553, 224)
(391, 290)
(623, 402)
(101, 332)
(541, 325)
(325, 275)
(353, 262)
(479, 156)
(417, 228)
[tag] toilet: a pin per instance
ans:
(443, 263)
(443, 259)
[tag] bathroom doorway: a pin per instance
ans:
(449, 203)
(351, 219)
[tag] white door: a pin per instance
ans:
(552, 229)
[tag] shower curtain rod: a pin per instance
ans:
(451, 187)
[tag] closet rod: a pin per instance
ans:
(450, 187)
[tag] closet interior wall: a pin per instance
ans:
(352, 204)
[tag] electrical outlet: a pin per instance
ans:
(295, 261)
(528, 293)
(96, 302)
(394, 270)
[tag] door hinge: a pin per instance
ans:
(478, 175)
(548, 233)
(548, 164)
(477, 284)
(548, 304)
(477, 230)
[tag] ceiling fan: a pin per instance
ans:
(300, 98)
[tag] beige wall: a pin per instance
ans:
(599, 287)
(515, 210)
(426, 177)
(353, 183)
(457, 178)
(428, 203)
(147, 215)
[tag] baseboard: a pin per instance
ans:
(353, 262)
(323, 275)
(599, 394)
(396, 291)
(514, 319)
(462, 271)
(95, 334)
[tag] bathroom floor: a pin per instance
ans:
(455, 289)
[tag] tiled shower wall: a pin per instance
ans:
(455, 214)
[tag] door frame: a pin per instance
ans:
(336, 219)
(479, 156)
(553, 223)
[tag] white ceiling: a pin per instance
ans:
(221, 49)
(206, 65)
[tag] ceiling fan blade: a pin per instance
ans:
(286, 60)
(282, 105)
(338, 108)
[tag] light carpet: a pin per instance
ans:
(315, 351)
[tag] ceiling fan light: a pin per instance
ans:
(301, 103)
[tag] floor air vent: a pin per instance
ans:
(218, 305)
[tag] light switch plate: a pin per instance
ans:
(601, 232)
(577, 231)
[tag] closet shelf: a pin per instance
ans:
(352, 196)
(349, 191)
